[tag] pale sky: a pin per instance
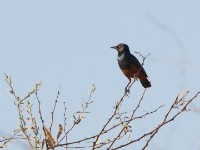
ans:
(68, 43)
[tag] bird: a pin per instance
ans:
(130, 66)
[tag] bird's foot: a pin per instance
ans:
(127, 91)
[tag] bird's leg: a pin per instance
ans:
(135, 79)
(131, 84)
(136, 76)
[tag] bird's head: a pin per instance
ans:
(121, 48)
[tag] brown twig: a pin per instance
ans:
(31, 133)
(19, 104)
(111, 128)
(80, 114)
(109, 120)
(165, 121)
(65, 122)
(126, 125)
(34, 126)
(41, 118)
(8, 139)
(153, 132)
(39, 107)
(54, 107)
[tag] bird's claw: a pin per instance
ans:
(127, 91)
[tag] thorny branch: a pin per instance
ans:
(122, 126)
(24, 129)
(178, 103)
(65, 122)
(80, 114)
(54, 107)
(109, 120)
(125, 126)
(113, 127)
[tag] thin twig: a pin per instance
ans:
(65, 122)
(81, 113)
(153, 132)
(126, 125)
(165, 121)
(52, 113)
(40, 113)
(109, 120)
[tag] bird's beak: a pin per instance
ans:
(115, 47)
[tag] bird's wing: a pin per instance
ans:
(137, 64)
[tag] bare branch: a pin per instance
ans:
(52, 113)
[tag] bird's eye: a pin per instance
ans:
(119, 46)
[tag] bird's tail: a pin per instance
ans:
(145, 83)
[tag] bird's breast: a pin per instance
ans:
(123, 62)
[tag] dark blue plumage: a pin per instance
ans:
(130, 65)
